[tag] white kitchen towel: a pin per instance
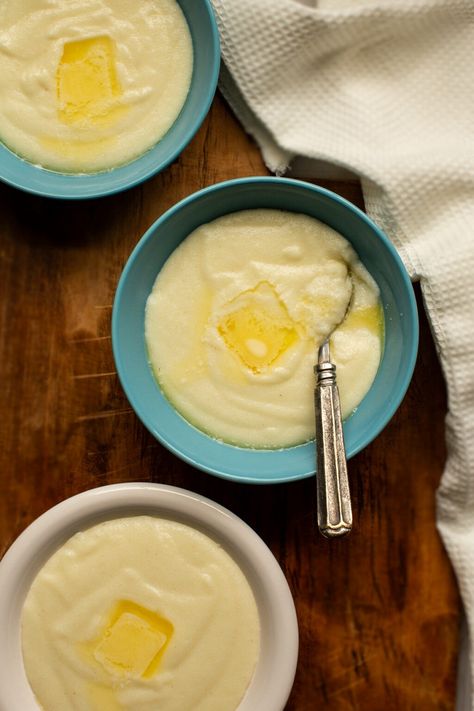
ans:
(384, 88)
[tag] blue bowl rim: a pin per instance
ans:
(299, 184)
(104, 192)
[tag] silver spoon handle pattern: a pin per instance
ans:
(334, 503)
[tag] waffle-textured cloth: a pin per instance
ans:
(384, 88)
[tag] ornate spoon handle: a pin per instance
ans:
(334, 503)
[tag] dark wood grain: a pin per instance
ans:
(379, 611)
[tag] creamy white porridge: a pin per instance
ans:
(237, 313)
(139, 614)
(86, 85)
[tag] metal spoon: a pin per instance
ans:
(334, 501)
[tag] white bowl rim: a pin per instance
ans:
(274, 674)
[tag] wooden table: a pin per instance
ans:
(378, 612)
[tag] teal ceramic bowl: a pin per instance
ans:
(40, 181)
(136, 282)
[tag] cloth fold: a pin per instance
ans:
(383, 88)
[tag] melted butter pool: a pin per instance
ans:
(258, 327)
(237, 314)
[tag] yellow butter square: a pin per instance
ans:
(128, 647)
(86, 80)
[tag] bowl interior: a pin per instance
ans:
(374, 250)
(273, 677)
(26, 176)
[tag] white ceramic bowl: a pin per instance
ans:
(273, 678)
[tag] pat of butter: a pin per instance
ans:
(259, 329)
(133, 643)
(87, 83)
